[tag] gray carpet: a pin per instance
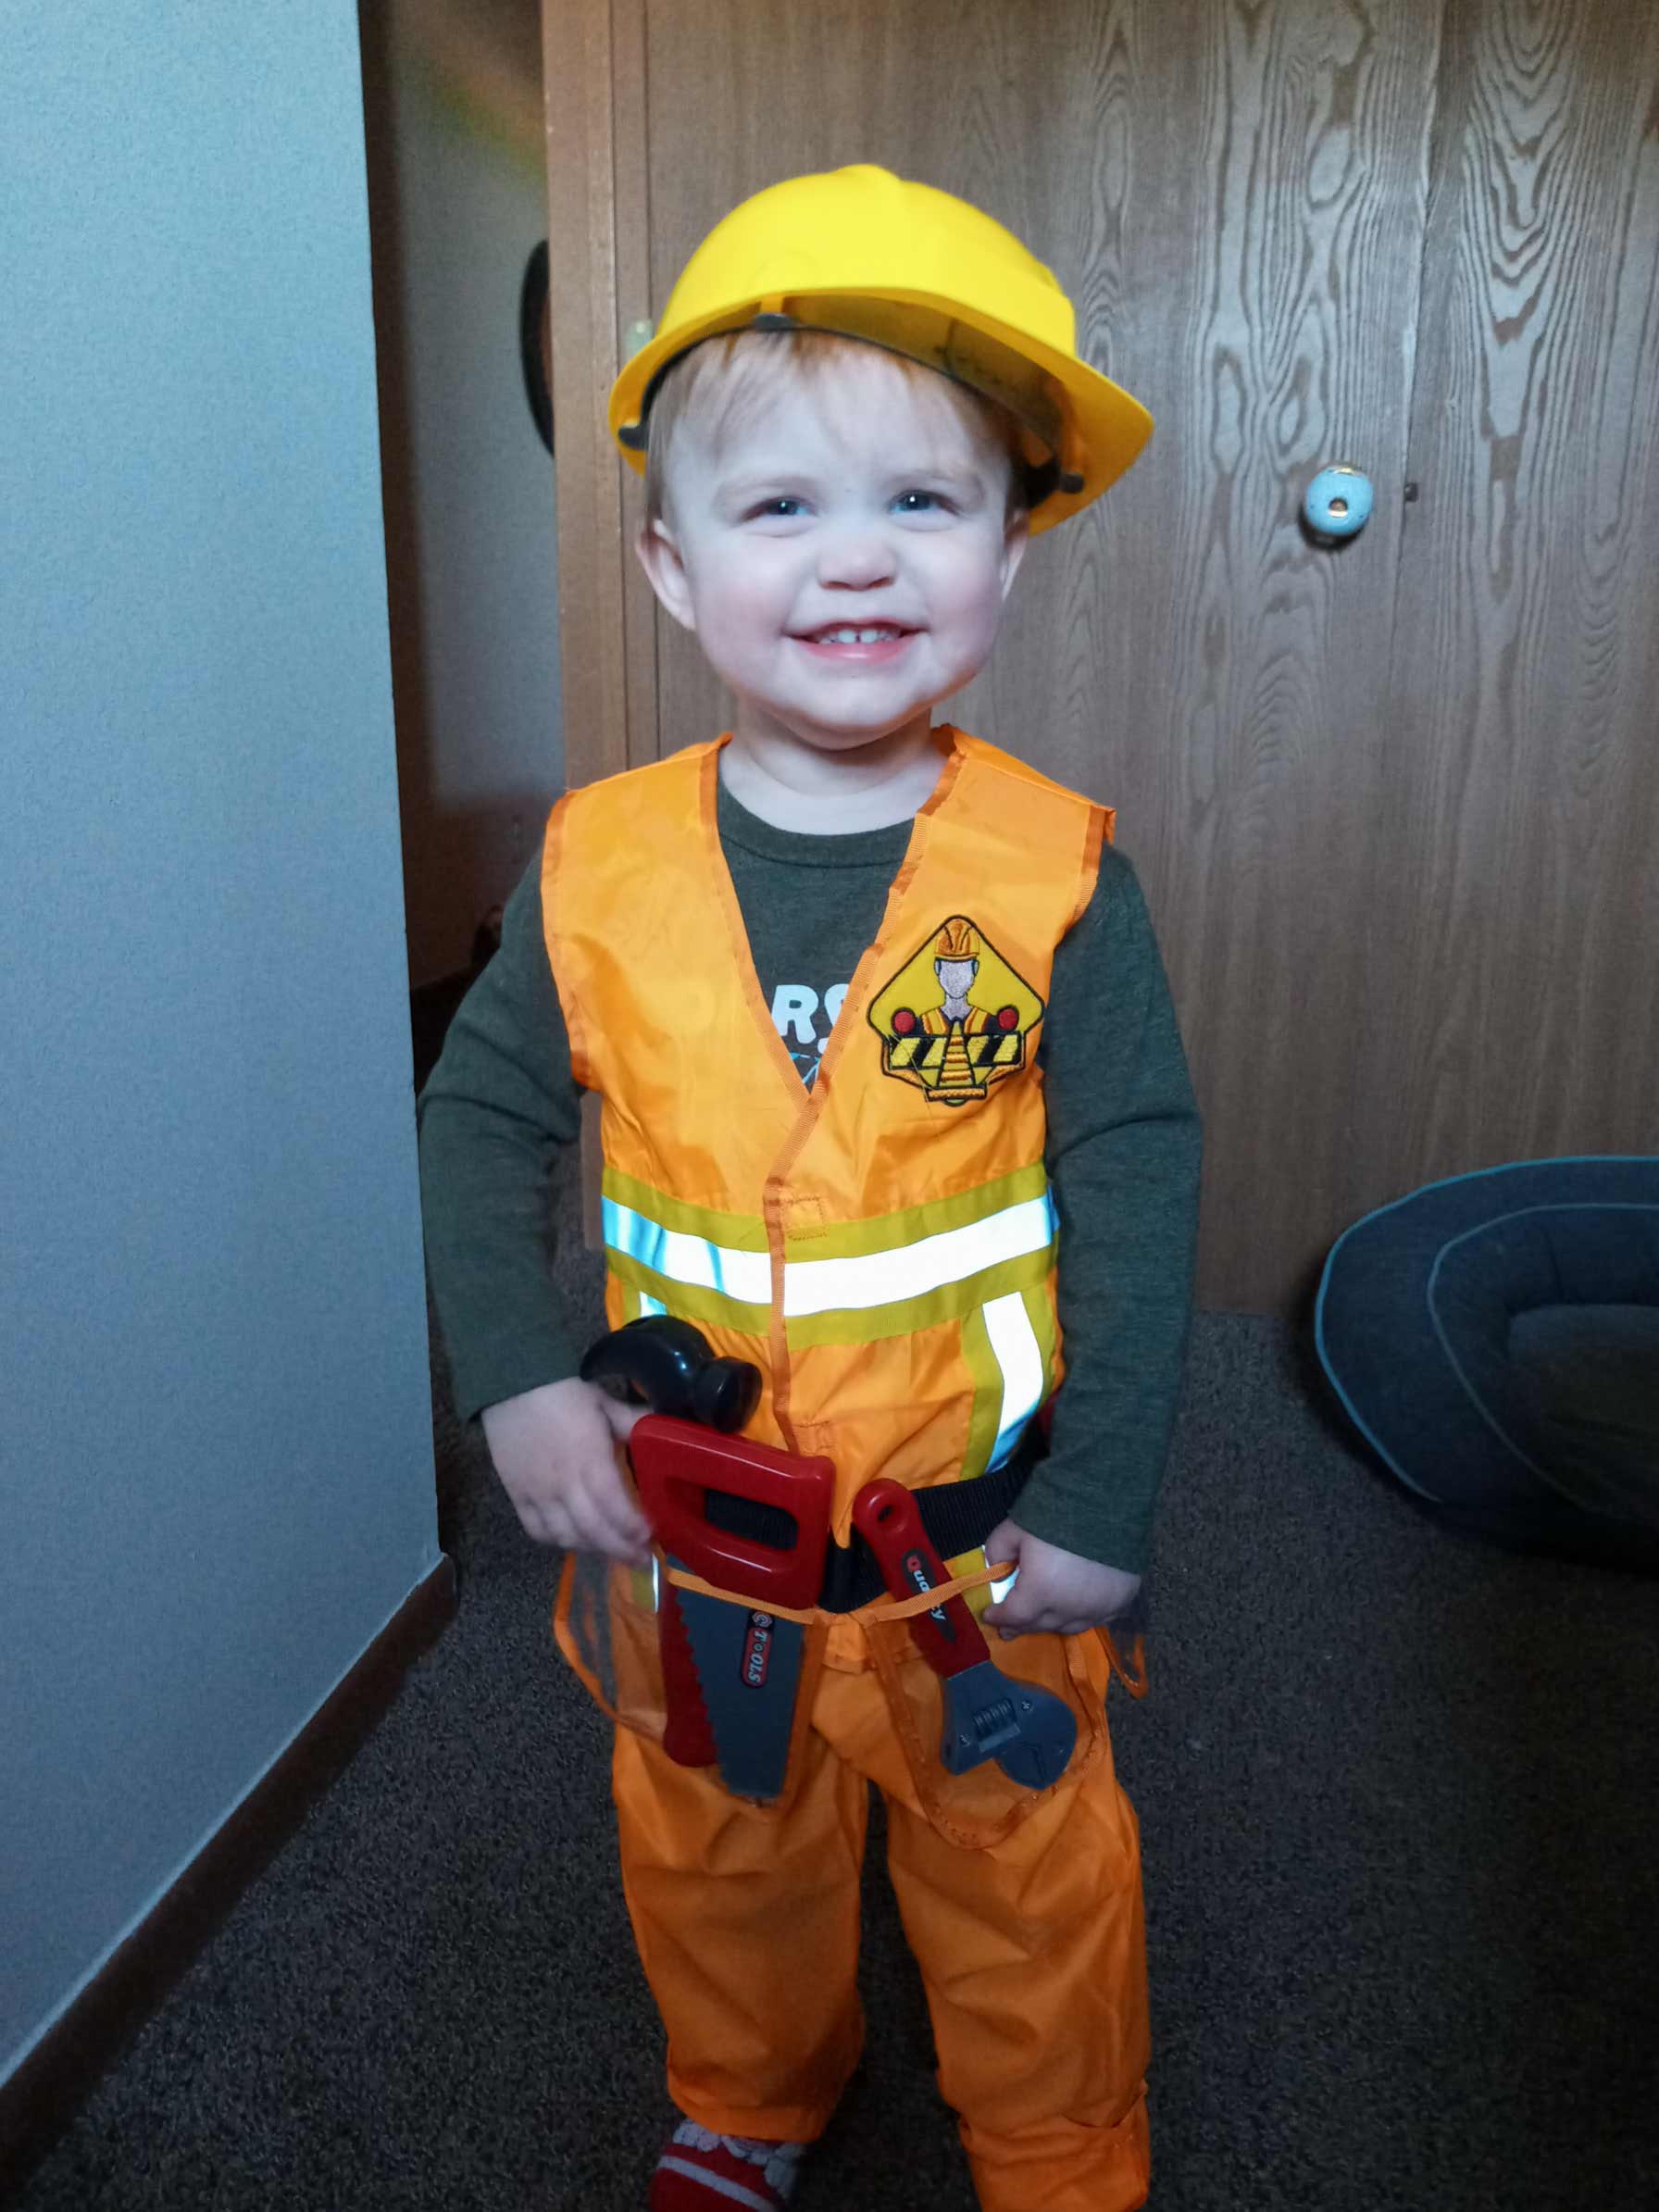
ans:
(1398, 1798)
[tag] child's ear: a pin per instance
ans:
(660, 559)
(1017, 536)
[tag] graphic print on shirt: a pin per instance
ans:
(956, 1018)
(804, 1019)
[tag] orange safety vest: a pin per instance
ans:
(882, 1245)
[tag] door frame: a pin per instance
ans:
(598, 285)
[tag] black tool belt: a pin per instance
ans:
(957, 1516)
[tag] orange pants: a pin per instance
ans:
(1033, 1953)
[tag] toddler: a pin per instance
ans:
(894, 1108)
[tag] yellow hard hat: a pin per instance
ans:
(867, 254)
(957, 941)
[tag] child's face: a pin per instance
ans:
(843, 554)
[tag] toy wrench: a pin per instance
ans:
(988, 1715)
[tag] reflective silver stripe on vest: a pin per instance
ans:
(813, 1286)
(1019, 1355)
(873, 1284)
(689, 1259)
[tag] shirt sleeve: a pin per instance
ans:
(1123, 1155)
(497, 1112)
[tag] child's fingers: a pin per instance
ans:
(1015, 1616)
(581, 1528)
(605, 1515)
(1011, 1618)
(619, 1417)
(584, 1508)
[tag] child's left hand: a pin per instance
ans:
(1057, 1591)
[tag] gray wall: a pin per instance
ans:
(216, 1447)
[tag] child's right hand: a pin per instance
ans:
(556, 1450)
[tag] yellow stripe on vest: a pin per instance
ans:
(962, 1252)
(887, 1232)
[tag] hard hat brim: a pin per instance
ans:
(1107, 426)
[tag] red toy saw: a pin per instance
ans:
(730, 1673)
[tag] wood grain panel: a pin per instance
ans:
(598, 222)
(1234, 195)
(632, 170)
(598, 212)
(1516, 901)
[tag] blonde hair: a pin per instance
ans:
(718, 383)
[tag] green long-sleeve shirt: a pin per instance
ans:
(1122, 1153)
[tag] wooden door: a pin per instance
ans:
(1513, 899)
(1239, 195)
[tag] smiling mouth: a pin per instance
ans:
(857, 634)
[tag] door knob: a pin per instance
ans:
(1338, 504)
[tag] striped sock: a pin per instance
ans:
(701, 2172)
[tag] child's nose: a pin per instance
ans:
(858, 559)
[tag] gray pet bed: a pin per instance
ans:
(1495, 1338)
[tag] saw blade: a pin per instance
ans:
(748, 1667)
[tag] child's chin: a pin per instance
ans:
(837, 724)
(846, 737)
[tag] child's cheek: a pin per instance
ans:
(747, 601)
(965, 590)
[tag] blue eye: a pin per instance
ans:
(921, 504)
(784, 508)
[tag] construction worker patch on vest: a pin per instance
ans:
(956, 1018)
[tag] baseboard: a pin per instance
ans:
(38, 2100)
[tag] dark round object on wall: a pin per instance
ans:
(535, 342)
